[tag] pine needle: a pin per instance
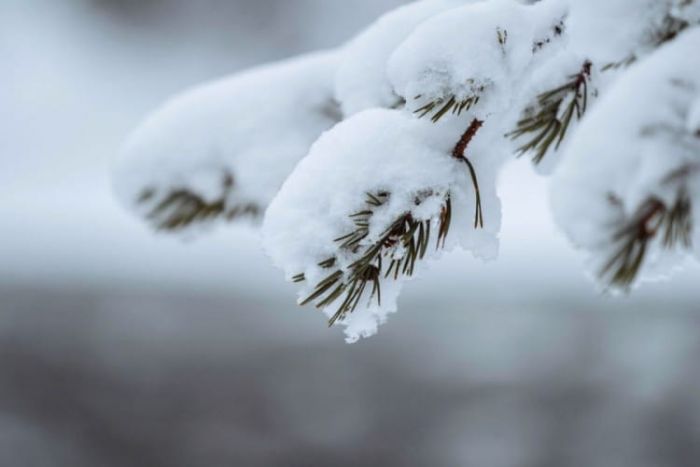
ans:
(179, 209)
(406, 235)
(547, 122)
(673, 225)
(453, 105)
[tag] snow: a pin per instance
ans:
(515, 52)
(611, 31)
(374, 151)
(628, 148)
(238, 140)
(361, 82)
(434, 62)
(248, 130)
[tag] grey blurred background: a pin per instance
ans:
(119, 347)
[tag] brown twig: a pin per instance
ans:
(459, 153)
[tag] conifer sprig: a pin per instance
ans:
(182, 208)
(441, 107)
(392, 255)
(451, 104)
(653, 219)
(549, 119)
(400, 246)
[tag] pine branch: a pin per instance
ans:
(653, 218)
(400, 246)
(182, 208)
(398, 249)
(550, 118)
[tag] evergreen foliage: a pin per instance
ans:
(181, 208)
(547, 122)
(672, 226)
(377, 119)
(392, 255)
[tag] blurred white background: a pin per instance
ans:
(122, 347)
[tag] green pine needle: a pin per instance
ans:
(653, 219)
(442, 106)
(181, 208)
(407, 235)
(546, 124)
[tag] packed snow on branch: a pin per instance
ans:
(360, 211)
(222, 150)
(361, 81)
(635, 199)
(433, 64)
(380, 156)
(615, 32)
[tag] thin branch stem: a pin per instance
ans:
(459, 153)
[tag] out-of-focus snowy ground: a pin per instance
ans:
(119, 347)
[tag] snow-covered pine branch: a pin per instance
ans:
(221, 151)
(633, 205)
(380, 156)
